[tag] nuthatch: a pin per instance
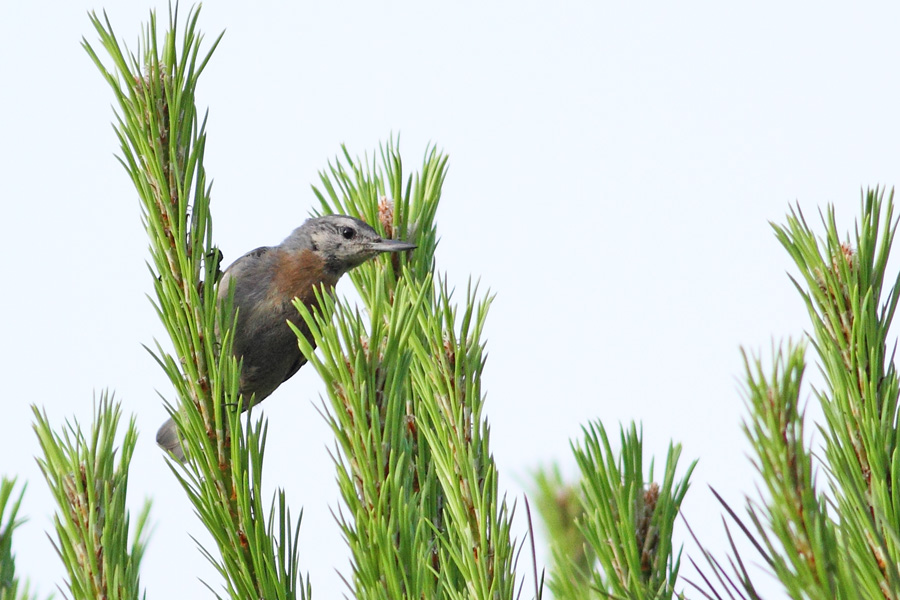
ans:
(266, 281)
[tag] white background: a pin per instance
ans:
(612, 174)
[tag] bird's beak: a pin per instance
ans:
(391, 245)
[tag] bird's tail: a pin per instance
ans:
(167, 438)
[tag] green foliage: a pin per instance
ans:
(628, 520)
(422, 510)
(623, 544)
(802, 550)
(838, 539)
(90, 487)
(162, 144)
(10, 586)
(560, 506)
(845, 285)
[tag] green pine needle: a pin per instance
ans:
(835, 538)
(90, 487)
(162, 141)
(11, 587)
(423, 514)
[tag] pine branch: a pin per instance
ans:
(840, 541)
(802, 548)
(561, 507)
(162, 147)
(90, 487)
(422, 510)
(11, 587)
(845, 281)
(611, 534)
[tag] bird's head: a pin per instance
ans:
(342, 242)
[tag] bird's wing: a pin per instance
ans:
(247, 262)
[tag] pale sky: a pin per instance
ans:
(613, 170)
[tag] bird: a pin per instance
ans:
(266, 281)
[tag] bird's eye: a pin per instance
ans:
(348, 232)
